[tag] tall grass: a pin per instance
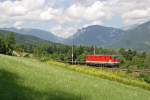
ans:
(30, 79)
(105, 74)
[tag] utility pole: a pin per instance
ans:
(94, 50)
(72, 51)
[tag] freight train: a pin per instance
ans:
(103, 60)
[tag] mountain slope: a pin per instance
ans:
(137, 38)
(96, 35)
(29, 79)
(27, 39)
(37, 33)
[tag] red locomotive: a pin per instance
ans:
(102, 60)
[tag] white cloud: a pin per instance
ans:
(69, 17)
(12, 8)
(64, 32)
(84, 15)
(75, 11)
(132, 11)
(136, 16)
(97, 10)
(18, 24)
(48, 14)
(33, 4)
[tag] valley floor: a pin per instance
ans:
(29, 79)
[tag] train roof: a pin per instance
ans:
(102, 55)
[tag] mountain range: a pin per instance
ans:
(96, 35)
(45, 35)
(137, 37)
(27, 40)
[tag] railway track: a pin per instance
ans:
(109, 68)
(133, 70)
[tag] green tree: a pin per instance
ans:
(147, 61)
(41, 51)
(128, 54)
(2, 44)
(10, 43)
(19, 48)
(138, 61)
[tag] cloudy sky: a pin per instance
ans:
(64, 17)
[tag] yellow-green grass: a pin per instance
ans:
(29, 79)
(118, 76)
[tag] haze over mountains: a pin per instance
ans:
(96, 35)
(45, 35)
(137, 37)
(27, 40)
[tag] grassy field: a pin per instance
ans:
(29, 79)
(105, 73)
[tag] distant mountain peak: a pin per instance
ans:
(137, 38)
(95, 35)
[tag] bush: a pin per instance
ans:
(146, 78)
(44, 58)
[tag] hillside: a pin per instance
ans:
(96, 35)
(137, 38)
(45, 35)
(28, 79)
(27, 39)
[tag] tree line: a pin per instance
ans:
(7, 43)
(129, 58)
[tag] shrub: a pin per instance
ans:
(144, 77)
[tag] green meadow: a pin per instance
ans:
(29, 79)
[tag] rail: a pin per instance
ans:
(113, 68)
